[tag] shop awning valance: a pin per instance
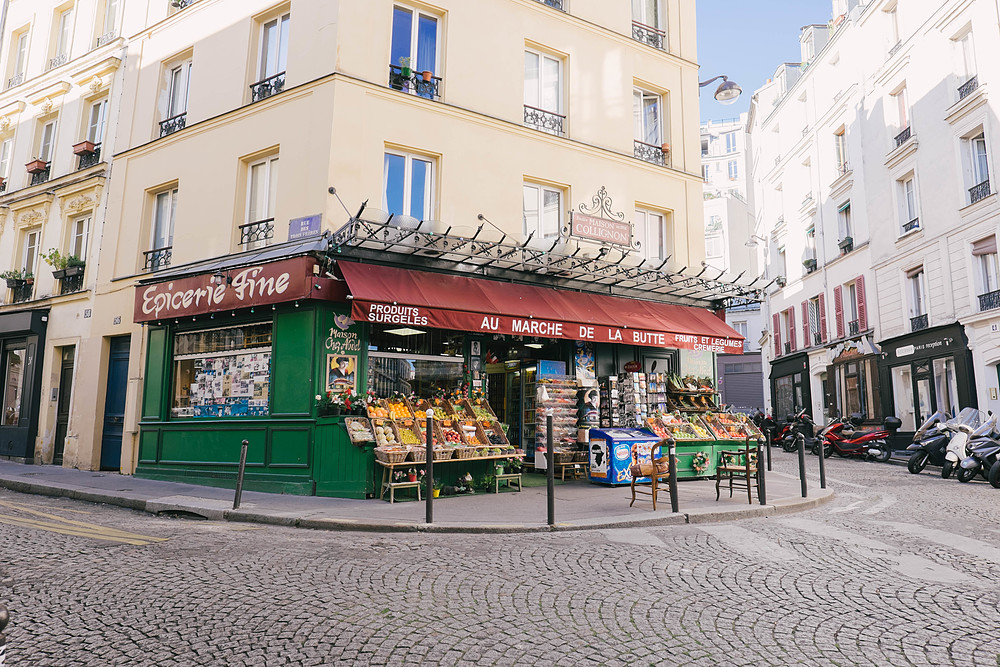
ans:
(419, 299)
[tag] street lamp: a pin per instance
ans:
(727, 92)
(754, 241)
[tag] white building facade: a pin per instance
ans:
(872, 167)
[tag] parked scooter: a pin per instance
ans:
(961, 430)
(866, 444)
(929, 443)
(838, 424)
(800, 423)
(983, 449)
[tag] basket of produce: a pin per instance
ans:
(450, 431)
(385, 432)
(390, 455)
(581, 457)
(685, 428)
(480, 408)
(563, 456)
(399, 408)
(418, 454)
(359, 429)
(409, 435)
(443, 453)
(474, 433)
(442, 407)
(377, 409)
(465, 452)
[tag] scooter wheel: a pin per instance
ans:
(884, 453)
(918, 461)
(994, 477)
(827, 450)
(965, 474)
(946, 469)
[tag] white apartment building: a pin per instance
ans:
(871, 169)
(728, 230)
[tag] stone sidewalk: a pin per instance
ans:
(579, 505)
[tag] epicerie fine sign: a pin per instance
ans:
(601, 229)
(380, 313)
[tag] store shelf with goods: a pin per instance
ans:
(732, 427)
(557, 395)
(610, 402)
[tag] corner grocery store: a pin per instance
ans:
(239, 347)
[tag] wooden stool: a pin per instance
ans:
(508, 478)
(392, 486)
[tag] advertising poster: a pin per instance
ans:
(586, 371)
(341, 372)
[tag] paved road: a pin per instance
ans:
(898, 570)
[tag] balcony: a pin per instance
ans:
(15, 80)
(807, 200)
(272, 85)
(989, 301)
(555, 4)
(59, 60)
(649, 35)
(71, 284)
(415, 83)
(919, 322)
(173, 124)
(106, 37)
(22, 292)
(817, 338)
(256, 234)
(895, 48)
(853, 328)
(3, 184)
(903, 136)
(181, 4)
(787, 347)
(911, 225)
(650, 153)
(39, 174)
(546, 121)
(90, 154)
(979, 191)
(968, 88)
(158, 258)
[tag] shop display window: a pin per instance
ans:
(222, 372)
(414, 361)
(946, 385)
(13, 374)
(902, 392)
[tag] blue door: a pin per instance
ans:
(114, 404)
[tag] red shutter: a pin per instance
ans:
(822, 316)
(791, 328)
(777, 335)
(859, 287)
(805, 324)
(838, 309)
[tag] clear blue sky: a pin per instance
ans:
(746, 40)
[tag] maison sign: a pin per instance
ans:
(600, 222)
(241, 287)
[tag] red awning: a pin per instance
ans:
(392, 296)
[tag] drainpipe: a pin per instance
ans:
(3, 21)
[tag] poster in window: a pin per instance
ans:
(341, 372)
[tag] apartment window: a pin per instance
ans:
(917, 292)
(408, 185)
(893, 18)
(840, 146)
(984, 253)
(647, 23)
(29, 250)
(810, 248)
(734, 170)
(64, 33)
(109, 26)
(542, 211)
(96, 118)
(78, 233)
(704, 147)
(966, 57)
(908, 197)
(543, 101)
(164, 212)
(648, 122)
(851, 308)
(262, 188)
(18, 59)
(977, 167)
(273, 56)
(704, 172)
(815, 321)
(5, 147)
(730, 142)
(653, 226)
(178, 85)
(46, 140)
(844, 228)
(714, 247)
(782, 267)
(414, 46)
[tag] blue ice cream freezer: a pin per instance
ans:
(611, 453)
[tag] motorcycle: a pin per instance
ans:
(800, 423)
(983, 449)
(929, 443)
(866, 444)
(960, 430)
(838, 423)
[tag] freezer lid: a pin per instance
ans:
(623, 434)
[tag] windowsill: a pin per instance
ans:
(904, 150)
(906, 236)
(842, 183)
(975, 208)
(838, 258)
(972, 101)
(79, 295)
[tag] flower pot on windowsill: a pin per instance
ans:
(36, 166)
(810, 264)
(665, 148)
(846, 242)
(406, 72)
(59, 274)
(84, 148)
(426, 75)
(72, 271)
(15, 283)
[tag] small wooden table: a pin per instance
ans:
(507, 479)
(387, 469)
(392, 486)
(577, 469)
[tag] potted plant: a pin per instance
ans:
(84, 148)
(353, 403)
(665, 148)
(328, 404)
(404, 66)
(846, 242)
(14, 278)
(36, 166)
(427, 75)
(64, 266)
(438, 485)
(810, 263)
(29, 278)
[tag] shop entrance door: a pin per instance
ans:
(924, 392)
(62, 408)
(114, 404)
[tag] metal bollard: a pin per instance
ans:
(239, 474)
(761, 477)
(822, 463)
(802, 462)
(769, 432)
(429, 486)
(4, 619)
(672, 468)
(550, 468)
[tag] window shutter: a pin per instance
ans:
(777, 335)
(838, 309)
(805, 324)
(822, 316)
(791, 328)
(862, 307)
(987, 246)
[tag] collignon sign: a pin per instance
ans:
(601, 229)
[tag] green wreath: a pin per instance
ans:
(700, 462)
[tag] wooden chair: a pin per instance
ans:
(657, 470)
(740, 468)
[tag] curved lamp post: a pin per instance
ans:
(727, 92)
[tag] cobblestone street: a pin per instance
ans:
(897, 570)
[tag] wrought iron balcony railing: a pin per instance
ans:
(968, 87)
(41, 176)
(990, 300)
(3, 185)
(546, 121)
(979, 191)
(415, 83)
(181, 4)
(256, 234)
(59, 60)
(272, 85)
(555, 4)
(650, 153)
(106, 37)
(919, 322)
(90, 159)
(15, 80)
(158, 258)
(787, 348)
(71, 284)
(172, 124)
(842, 169)
(903, 136)
(23, 292)
(649, 35)
(853, 328)
(911, 225)
(817, 338)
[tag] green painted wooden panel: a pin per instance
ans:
(210, 445)
(342, 469)
(291, 379)
(148, 439)
(157, 366)
(289, 447)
